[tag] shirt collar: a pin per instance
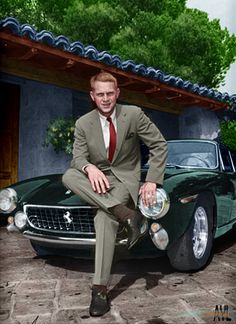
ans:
(104, 118)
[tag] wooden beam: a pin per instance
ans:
(177, 96)
(68, 65)
(126, 83)
(153, 90)
(29, 54)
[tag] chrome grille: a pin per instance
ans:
(61, 219)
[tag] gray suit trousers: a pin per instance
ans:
(106, 225)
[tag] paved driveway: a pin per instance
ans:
(56, 290)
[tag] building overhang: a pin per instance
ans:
(34, 60)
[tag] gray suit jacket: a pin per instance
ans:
(132, 126)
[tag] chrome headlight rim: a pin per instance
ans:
(20, 220)
(10, 195)
(154, 212)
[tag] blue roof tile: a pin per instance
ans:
(62, 42)
(92, 53)
(77, 48)
(28, 31)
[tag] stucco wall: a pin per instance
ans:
(167, 123)
(39, 104)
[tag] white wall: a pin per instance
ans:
(197, 122)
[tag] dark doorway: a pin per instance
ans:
(9, 133)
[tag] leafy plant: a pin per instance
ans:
(60, 134)
(228, 134)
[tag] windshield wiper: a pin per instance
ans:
(177, 166)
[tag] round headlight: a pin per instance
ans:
(159, 209)
(8, 199)
(20, 220)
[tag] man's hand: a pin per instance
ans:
(148, 193)
(97, 178)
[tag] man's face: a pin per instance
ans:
(105, 94)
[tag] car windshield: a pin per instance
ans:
(192, 154)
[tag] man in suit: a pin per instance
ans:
(105, 171)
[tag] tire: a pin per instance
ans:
(193, 249)
(41, 251)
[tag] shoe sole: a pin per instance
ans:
(98, 314)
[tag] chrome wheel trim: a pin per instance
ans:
(200, 232)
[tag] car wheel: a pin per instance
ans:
(193, 249)
(41, 251)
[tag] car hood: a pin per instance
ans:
(47, 190)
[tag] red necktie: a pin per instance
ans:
(112, 142)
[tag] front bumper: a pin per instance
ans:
(64, 242)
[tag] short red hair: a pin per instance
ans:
(103, 77)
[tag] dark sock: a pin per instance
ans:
(122, 213)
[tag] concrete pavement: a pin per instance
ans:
(57, 289)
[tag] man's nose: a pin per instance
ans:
(105, 97)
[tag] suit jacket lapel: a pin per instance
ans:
(121, 129)
(97, 131)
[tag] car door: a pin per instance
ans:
(228, 197)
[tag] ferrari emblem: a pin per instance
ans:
(68, 218)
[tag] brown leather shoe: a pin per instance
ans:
(99, 304)
(134, 230)
(133, 221)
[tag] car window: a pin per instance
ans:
(192, 154)
(226, 160)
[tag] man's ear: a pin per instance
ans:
(117, 92)
(91, 95)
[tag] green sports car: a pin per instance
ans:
(196, 205)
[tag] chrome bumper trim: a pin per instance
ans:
(59, 240)
(64, 240)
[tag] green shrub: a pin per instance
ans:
(60, 134)
(228, 134)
